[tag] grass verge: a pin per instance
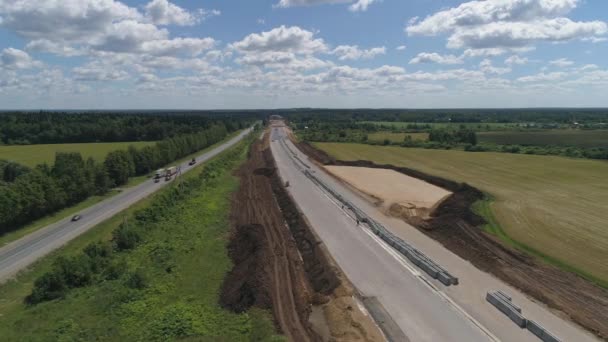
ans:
(182, 261)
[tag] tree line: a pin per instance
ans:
(55, 128)
(102, 261)
(28, 194)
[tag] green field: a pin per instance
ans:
(32, 155)
(570, 137)
(181, 304)
(475, 125)
(552, 205)
(396, 137)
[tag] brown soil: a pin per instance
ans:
(458, 228)
(280, 265)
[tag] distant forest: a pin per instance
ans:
(55, 128)
(28, 194)
(566, 115)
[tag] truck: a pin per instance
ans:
(170, 172)
(160, 173)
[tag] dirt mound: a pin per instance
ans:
(458, 228)
(246, 285)
(316, 154)
(284, 270)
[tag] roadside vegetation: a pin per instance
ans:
(27, 194)
(550, 206)
(154, 273)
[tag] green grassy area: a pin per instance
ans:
(396, 137)
(66, 212)
(564, 137)
(474, 125)
(32, 155)
(183, 259)
(553, 207)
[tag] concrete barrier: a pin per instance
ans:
(508, 300)
(540, 332)
(505, 308)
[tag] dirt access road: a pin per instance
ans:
(279, 265)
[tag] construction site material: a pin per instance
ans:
(415, 256)
(458, 228)
(504, 303)
(397, 194)
(501, 304)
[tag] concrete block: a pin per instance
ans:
(444, 279)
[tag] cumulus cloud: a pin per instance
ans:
(353, 52)
(516, 60)
(561, 62)
(356, 5)
(427, 57)
(543, 77)
(487, 67)
(162, 12)
(286, 39)
(11, 58)
(401, 48)
(506, 24)
(361, 5)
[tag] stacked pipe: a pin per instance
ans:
(504, 303)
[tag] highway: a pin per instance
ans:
(23, 252)
(423, 308)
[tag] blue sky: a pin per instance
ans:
(110, 54)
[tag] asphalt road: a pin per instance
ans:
(23, 252)
(423, 308)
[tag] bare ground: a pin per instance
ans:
(458, 228)
(280, 265)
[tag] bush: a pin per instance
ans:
(48, 287)
(137, 280)
(126, 237)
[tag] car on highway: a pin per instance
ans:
(192, 162)
(76, 218)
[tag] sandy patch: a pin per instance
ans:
(399, 194)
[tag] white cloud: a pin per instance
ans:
(506, 24)
(353, 52)
(356, 5)
(361, 5)
(97, 72)
(562, 62)
(286, 39)
(516, 60)
(543, 77)
(162, 12)
(487, 67)
(401, 48)
(11, 58)
(427, 57)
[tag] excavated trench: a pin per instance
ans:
(279, 264)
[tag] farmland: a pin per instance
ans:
(551, 206)
(576, 138)
(32, 155)
(449, 125)
(396, 137)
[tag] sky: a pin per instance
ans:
(234, 54)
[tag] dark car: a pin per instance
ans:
(192, 162)
(76, 218)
